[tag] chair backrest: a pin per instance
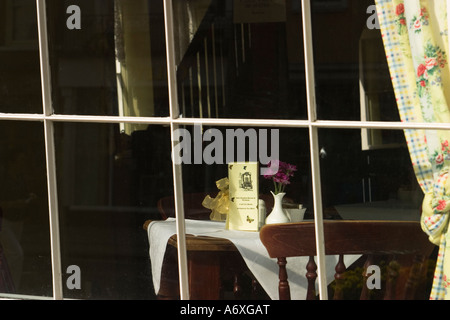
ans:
(192, 203)
(368, 238)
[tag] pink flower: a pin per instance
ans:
(400, 9)
(280, 173)
(421, 69)
(444, 145)
(417, 24)
(430, 63)
(440, 159)
(291, 167)
(441, 206)
(423, 12)
(282, 178)
(423, 83)
(269, 173)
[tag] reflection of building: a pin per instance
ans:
(19, 88)
(376, 92)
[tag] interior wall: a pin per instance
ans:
(134, 62)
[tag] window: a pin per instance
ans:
(89, 118)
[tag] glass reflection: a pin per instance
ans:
(114, 64)
(24, 229)
(352, 75)
(367, 184)
(109, 185)
(20, 80)
(240, 59)
(372, 186)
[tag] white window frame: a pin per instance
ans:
(174, 120)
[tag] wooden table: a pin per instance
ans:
(213, 263)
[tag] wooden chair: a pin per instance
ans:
(371, 239)
(192, 206)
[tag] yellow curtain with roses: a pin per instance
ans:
(415, 36)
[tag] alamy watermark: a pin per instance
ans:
(74, 20)
(214, 147)
(372, 22)
(373, 274)
(74, 280)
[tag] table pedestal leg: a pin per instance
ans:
(204, 276)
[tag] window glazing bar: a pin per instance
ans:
(53, 210)
(13, 296)
(22, 117)
(49, 151)
(282, 123)
(314, 145)
(177, 173)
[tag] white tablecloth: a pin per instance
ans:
(251, 248)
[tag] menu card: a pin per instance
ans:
(244, 193)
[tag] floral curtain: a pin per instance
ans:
(415, 36)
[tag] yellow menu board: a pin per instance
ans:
(244, 193)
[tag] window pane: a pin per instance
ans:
(24, 228)
(371, 186)
(240, 59)
(20, 81)
(114, 64)
(352, 75)
(354, 176)
(109, 185)
(230, 275)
